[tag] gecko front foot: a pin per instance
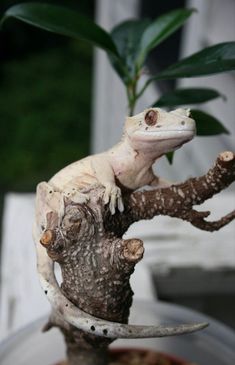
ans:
(113, 196)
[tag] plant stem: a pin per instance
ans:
(140, 93)
(132, 97)
(131, 110)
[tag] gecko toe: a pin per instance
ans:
(112, 208)
(120, 205)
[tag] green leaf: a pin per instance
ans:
(186, 96)
(160, 29)
(170, 156)
(62, 21)
(207, 125)
(215, 59)
(120, 67)
(126, 37)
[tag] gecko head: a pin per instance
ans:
(158, 130)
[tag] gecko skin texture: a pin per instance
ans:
(146, 137)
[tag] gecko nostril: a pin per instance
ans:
(183, 122)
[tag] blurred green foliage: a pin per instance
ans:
(45, 114)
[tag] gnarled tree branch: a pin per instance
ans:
(178, 200)
(96, 262)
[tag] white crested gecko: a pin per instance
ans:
(147, 136)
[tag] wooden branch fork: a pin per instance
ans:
(91, 307)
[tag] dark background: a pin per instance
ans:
(45, 101)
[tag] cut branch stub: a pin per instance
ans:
(47, 238)
(133, 250)
(226, 156)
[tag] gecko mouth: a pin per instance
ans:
(166, 135)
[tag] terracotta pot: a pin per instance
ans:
(149, 357)
(132, 356)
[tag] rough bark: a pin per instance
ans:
(96, 263)
(96, 266)
(178, 199)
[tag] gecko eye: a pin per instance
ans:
(151, 117)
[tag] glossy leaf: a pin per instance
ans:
(215, 59)
(186, 96)
(62, 21)
(126, 37)
(120, 67)
(207, 125)
(160, 29)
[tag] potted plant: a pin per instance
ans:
(80, 220)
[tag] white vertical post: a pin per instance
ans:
(109, 104)
(110, 101)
